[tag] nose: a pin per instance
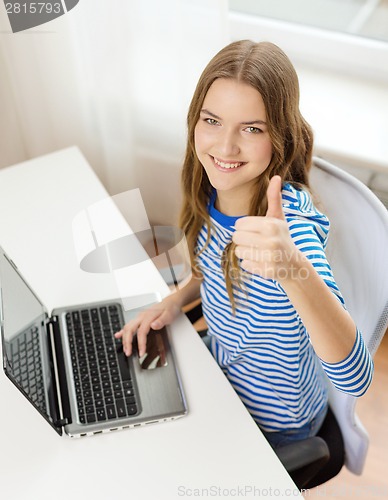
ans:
(228, 146)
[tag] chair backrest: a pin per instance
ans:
(358, 254)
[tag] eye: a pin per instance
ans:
(211, 121)
(253, 130)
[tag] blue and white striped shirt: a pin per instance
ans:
(264, 349)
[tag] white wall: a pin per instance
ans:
(114, 78)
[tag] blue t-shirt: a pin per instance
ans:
(264, 349)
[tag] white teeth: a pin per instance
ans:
(226, 165)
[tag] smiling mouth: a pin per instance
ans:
(223, 165)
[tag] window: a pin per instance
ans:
(368, 18)
(349, 35)
(340, 51)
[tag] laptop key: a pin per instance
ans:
(111, 412)
(121, 408)
(128, 393)
(86, 386)
(132, 409)
(85, 313)
(101, 415)
(104, 315)
(123, 364)
(91, 418)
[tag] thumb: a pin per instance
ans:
(274, 198)
(160, 321)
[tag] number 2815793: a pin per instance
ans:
(34, 8)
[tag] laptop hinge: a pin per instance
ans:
(54, 334)
(63, 421)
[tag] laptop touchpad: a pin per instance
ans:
(156, 351)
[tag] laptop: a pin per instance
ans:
(74, 372)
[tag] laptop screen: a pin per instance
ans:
(27, 358)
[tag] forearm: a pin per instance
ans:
(331, 328)
(187, 294)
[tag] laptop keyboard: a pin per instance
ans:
(26, 365)
(103, 382)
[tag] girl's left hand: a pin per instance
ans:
(264, 243)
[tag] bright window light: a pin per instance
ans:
(367, 18)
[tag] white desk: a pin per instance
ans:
(217, 445)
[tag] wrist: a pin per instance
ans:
(297, 270)
(173, 300)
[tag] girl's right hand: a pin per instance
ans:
(155, 317)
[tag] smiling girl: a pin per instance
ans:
(276, 319)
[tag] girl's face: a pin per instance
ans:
(232, 142)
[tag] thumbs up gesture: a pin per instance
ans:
(264, 243)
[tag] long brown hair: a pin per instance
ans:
(266, 68)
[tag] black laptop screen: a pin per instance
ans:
(26, 345)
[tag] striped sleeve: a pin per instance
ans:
(310, 237)
(354, 374)
(309, 230)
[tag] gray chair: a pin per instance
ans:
(358, 253)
